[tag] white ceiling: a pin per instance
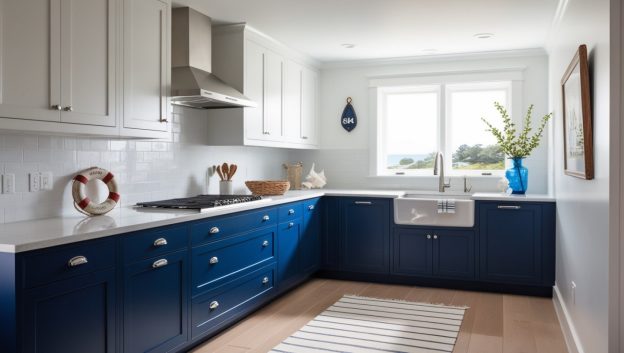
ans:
(389, 28)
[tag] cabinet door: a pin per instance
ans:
(309, 101)
(330, 235)
(255, 124)
(273, 75)
(288, 262)
(510, 242)
(71, 316)
(310, 249)
(146, 67)
(88, 53)
(453, 254)
(365, 235)
(30, 44)
(155, 304)
(412, 249)
(292, 101)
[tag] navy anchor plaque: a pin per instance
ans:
(348, 119)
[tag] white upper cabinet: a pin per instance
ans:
(146, 66)
(96, 67)
(282, 83)
(30, 59)
(88, 57)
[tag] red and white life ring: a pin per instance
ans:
(83, 203)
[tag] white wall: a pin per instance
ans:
(345, 156)
(145, 170)
(583, 206)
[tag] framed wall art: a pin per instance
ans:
(577, 118)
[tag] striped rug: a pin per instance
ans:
(359, 324)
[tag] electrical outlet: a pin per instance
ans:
(46, 181)
(34, 182)
(8, 183)
(573, 292)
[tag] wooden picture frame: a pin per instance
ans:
(578, 146)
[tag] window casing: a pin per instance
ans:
(457, 108)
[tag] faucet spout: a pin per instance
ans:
(438, 169)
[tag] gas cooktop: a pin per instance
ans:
(200, 202)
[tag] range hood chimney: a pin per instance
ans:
(192, 83)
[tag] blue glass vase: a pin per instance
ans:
(518, 177)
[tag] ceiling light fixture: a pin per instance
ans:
(484, 35)
(348, 45)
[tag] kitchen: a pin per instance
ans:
(381, 105)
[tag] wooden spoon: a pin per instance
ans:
(219, 172)
(226, 170)
(233, 169)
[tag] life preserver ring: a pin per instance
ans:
(83, 203)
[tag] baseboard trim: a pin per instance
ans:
(567, 326)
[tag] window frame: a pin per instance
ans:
(508, 79)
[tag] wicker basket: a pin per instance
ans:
(268, 187)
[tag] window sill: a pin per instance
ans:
(435, 177)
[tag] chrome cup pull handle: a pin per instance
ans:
(265, 218)
(291, 224)
(265, 243)
(310, 207)
(291, 211)
(265, 280)
(160, 242)
(214, 230)
(214, 305)
(509, 207)
(160, 263)
(77, 261)
(363, 202)
(214, 260)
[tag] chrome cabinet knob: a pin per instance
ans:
(428, 236)
(214, 305)
(77, 261)
(160, 242)
(310, 207)
(265, 218)
(291, 211)
(435, 237)
(265, 243)
(265, 280)
(291, 224)
(68, 108)
(56, 107)
(214, 230)
(214, 260)
(160, 263)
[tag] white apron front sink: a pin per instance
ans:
(422, 210)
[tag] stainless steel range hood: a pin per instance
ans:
(192, 83)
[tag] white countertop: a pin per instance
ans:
(38, 234)
(498, 196)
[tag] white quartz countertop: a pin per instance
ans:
(31, 235)
(497, 196)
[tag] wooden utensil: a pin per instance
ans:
(233, 168)
(220, 173)
(226, 170)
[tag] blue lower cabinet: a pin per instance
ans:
(454, 254)
(412, 250)
(310, 248)
(71, 316)
(215, 309)
(365, 235)
(155, 298)
(511, 242)
(288, 248)
(330, 234)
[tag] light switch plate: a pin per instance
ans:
(46, 181)
(34, 181)
(8, 183)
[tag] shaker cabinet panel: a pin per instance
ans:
(309, 106)
(146, 63)
(292, 101)
(454, 254)
(88, 55)
(273, 76)
(255, 124)
(30, 43)
(412, 249)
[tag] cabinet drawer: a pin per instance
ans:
(143, 245)
(53, 264)
(216, 262)
(219, 228)
(290, 212)
(223, 303)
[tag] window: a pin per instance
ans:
(415, 122)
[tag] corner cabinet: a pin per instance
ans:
(61, 67)
(284, 85)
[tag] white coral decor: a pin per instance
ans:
(315, 180)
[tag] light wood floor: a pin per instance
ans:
(494, 323)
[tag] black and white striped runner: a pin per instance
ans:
(359, 324)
